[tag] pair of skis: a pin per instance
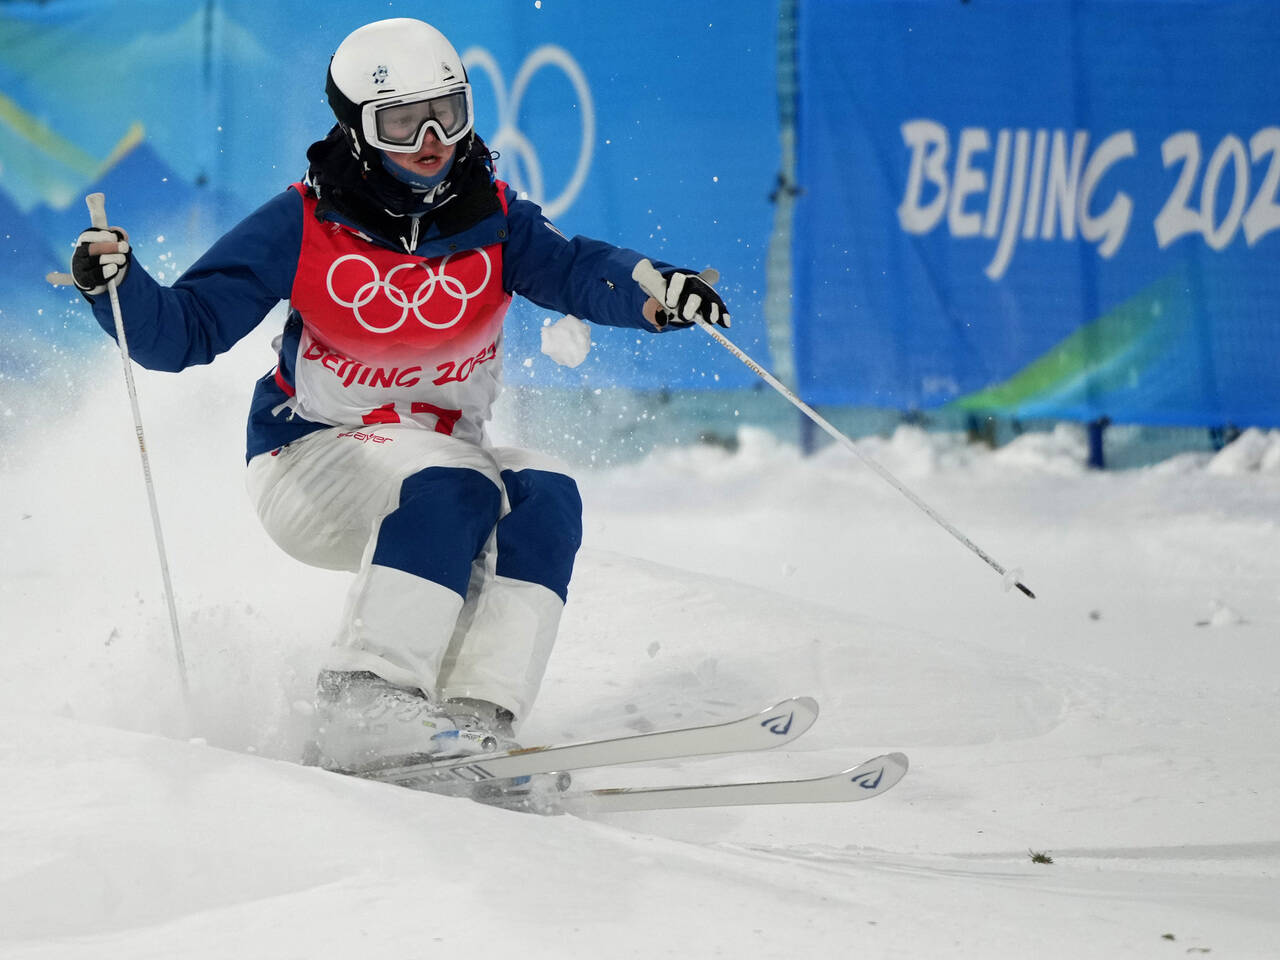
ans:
(539, 775)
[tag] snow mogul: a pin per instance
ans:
(399, 253)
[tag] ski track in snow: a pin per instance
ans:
(1123, 723)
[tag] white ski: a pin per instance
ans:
(772, 727)
(867, 780)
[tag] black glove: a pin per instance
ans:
(93, 271)
(688, 299)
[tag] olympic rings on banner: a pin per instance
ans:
(509, 139)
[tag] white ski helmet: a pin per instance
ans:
(392, 80)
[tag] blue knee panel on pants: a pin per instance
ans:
(538, 539)
(445, 516)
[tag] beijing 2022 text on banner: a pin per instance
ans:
(652, 125)
(1058, 209)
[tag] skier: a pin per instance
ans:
(399, 253)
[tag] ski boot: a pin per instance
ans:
(364, 723)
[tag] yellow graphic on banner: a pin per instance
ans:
(60, 150)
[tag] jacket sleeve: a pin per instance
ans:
(223, 296)
(588, 278)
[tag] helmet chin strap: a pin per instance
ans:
(418, 183)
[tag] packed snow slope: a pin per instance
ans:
(1123, 724)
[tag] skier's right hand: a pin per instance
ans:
(100, 257)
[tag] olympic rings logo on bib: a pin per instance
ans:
(379, 288)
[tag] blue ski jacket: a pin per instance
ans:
(229, 290)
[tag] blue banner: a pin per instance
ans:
(653, 127)
(1067, 208)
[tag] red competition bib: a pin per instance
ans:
(390, 336)
(381, 306)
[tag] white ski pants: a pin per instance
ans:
(462, 554)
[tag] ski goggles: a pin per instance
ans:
(401, 124)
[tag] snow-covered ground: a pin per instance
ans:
(1124, 723)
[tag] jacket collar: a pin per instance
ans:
(366, 198)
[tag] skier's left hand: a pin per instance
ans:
(688, 298)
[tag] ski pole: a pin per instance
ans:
(98, 218)
(652, 283)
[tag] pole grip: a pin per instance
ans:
(97, 204)
(647, 277)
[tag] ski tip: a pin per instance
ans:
(799, 714)
(877, 774)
